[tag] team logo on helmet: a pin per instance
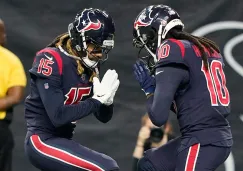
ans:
(144, 19)
(85, 23)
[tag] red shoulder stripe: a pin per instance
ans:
(181, 45)
(56, 55)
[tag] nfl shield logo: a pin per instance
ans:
(83, 77)
(46, 85)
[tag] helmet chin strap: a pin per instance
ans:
(88, 62)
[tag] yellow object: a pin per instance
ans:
(11, 73)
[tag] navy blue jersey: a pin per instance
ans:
(59, 96)
(201, 97)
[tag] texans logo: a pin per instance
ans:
(85, 23)
(144, 18)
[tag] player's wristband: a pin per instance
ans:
(149, 95)
(149, 90)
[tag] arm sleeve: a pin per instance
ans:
(17, 75)
(53, 101)
(168, 79)
(104, 114)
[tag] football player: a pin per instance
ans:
(64, 88)
(187, 70)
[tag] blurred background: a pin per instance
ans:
(31, 25)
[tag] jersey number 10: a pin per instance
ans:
(216, 83)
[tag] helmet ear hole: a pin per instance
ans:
(148, 34)
(152, 34)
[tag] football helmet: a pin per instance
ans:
(150, 29)
(92, 26)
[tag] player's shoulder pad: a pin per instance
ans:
(171, 51)
(47, 62)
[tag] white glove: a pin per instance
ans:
(105, 90)
(111, 99)
(106, 81)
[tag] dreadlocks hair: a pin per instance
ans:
(58, 39)
(200, 42)
(64, 41)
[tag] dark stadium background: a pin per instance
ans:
(31, 25)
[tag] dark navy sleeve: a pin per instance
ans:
(105, 113)
(47, 64)
(53, 101)
(168, 80)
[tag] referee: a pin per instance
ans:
(12, 85)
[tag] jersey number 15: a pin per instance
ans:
(216, 83)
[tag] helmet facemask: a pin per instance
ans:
(92, 36)
(146, 41)
(151, 28)
(101, 48)
(95, 52)
(83, 44)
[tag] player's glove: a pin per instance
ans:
(142, 75)
(110, 74)
(105, 90)
(111, 99)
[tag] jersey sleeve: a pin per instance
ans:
(47, 64)
(105, 113)
(168, 81)
(52, 98)
(171, 51)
